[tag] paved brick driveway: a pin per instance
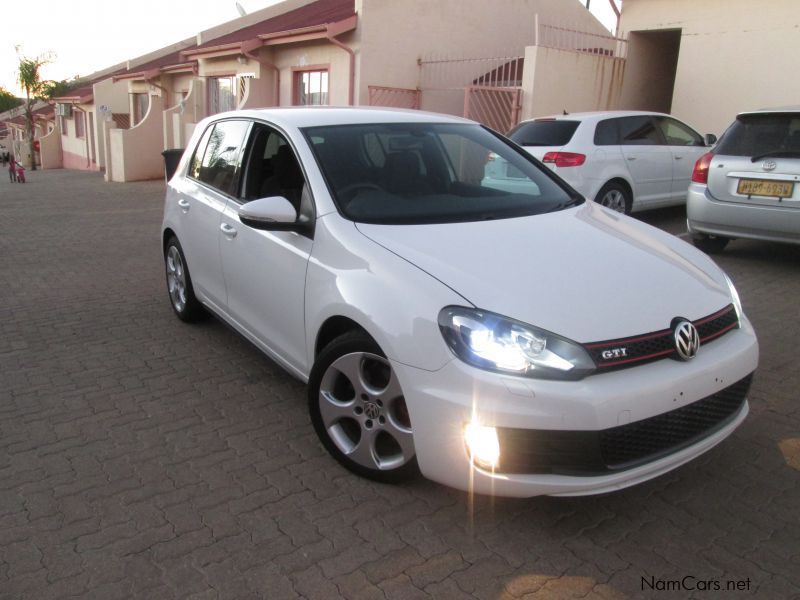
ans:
(140, 457)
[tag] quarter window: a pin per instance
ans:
(606, 133)
(220, 149)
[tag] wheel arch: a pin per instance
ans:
(332, 328)
(165, 236)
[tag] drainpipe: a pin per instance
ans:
(247, 51)
(616, 12)
(330, 35)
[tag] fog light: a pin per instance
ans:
(482, 444)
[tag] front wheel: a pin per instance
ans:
(359, 412)
(616, 197)
(710, 244)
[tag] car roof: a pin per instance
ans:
(777, 109)
(595, 115)
(303, 116)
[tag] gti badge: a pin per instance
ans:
(769, 165)
(687, 340)
(614, 353)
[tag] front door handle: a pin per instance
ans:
(184, 204)
(228, 230)
(678, 157)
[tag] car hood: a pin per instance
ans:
(585, 273)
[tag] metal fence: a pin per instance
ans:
(393, 97)
(567, 37)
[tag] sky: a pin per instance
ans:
(88, 35)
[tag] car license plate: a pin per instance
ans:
(763, 187)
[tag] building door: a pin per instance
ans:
(650, 70)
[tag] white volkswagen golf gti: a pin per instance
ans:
(476, 335)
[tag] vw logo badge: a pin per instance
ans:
(769, 165)
(687, 340)
(371, 410)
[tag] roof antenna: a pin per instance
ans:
(564, 112)
(242, 11)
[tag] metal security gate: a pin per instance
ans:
(393, 97)
(496, 107)
(487, 89)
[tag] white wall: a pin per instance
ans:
(594, 82)
(394, 35)
(136, 152)
(735, 55)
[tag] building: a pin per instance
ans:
(707, 60)
(495, 66)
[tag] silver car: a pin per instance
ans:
(748, 185)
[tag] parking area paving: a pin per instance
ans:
(142, 457)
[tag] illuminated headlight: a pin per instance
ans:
(482, 444)
(497, 343)
(737, 303)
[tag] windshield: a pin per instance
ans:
(544, 133)
(761, 135)
(430, 173)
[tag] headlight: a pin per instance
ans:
(737, 303)
(497, 343)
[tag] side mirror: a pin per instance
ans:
(275, 212)
(710, 139)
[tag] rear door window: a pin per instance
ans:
(638, 131)
(219, 167)
(544, 133)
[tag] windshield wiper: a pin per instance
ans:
(777, 154)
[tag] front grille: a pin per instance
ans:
(584, 453)
(637, 350)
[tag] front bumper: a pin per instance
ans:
(707, 215)
(440, 403)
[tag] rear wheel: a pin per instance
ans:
(616, 197)
(358, 409)
(179, 284)
(710, 244)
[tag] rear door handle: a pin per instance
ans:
(631, 158)
(184, 204)
(228, 230)
(678, 157)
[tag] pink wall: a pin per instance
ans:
(76, 161)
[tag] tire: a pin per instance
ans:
(616, 197)
(710, 244)
(358, 410)
(179, 284)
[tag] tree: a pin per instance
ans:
(54, 89)
(8, 100)
(30, 80)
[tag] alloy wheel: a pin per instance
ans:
(363, 410)
(614, 199)
(176, 279)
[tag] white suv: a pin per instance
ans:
(627, 161)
